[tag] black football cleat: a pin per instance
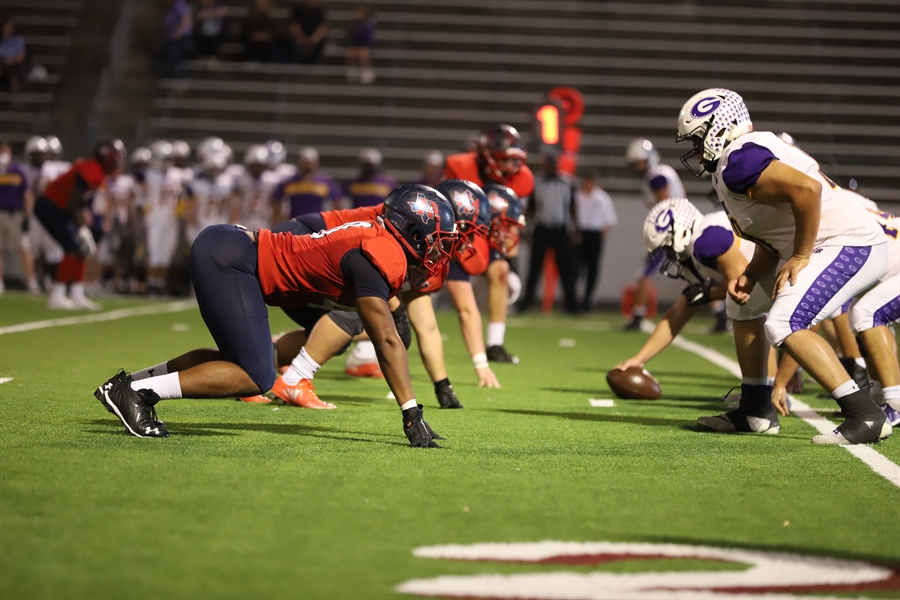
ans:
(634, 325)
(499, 354)
(138, 417)
(417, 430)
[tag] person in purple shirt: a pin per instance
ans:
(15, 207)
(12, 56)
(360, 40)
(307, 191)
(371, 186)
(179, 27)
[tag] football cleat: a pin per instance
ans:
(499, 354)
(892, 414)
(365, 370)
(59, 302)
(737, 421)
(258, 399)
(634, 325)
(138, 417)
(869, 429)
(417, 431)
(85, 303)
(303, 394)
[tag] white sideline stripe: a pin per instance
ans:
(872, 458)
(113, 315)
(5, 380)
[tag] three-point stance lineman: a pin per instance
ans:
(829, 247)
(236, 273)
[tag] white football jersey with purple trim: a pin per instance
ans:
(213, 200)
(654, 176)
(711, 239)
(255, 198)
(844, 222)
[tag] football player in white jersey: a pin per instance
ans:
(704, 251)
(658, 182)
(210, 203)
(253, 190)
(53, 165)
(35, 155)
(279, 168)
(164, 188)
(829, 248)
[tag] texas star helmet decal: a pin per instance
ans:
(422, 207)
(464, 202)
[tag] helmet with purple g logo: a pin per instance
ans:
(711, 120)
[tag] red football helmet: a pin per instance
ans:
(111, 155)
(507, 218)
(501, 150)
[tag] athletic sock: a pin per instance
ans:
(409, 404)
(640, 312)
(160, 369)
(302, 367)
(76, 292)
(845, 389)
(496, 333)
(165, 386)
(758, 380)
(891, 395)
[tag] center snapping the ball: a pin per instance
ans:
(634, 383)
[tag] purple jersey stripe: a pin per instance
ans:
(829, 282)
(887, 314)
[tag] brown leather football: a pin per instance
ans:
(633, 383)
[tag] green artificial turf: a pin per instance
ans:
(279, 502)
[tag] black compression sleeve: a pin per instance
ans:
(363, 276)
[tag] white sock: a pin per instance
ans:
(58, 290)
(495, 333)
(845, 389)
(860, 362)
(77, 291)
(758, 380)
(302, 367)
(409, 404)
(877, 391)
(640, 311)
(892, 396)
(167, 386)
(156, 370)
(365, 351)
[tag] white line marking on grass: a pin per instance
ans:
(113, 315)
(601, 402)
(5, 380)
(871, 457)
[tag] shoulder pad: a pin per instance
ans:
(522, 182)
(388, 258)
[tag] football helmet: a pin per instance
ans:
(277, 153)
(215, 162)
(501, 150)
(141, 156)
(256, 154)
(642, 150)
(507, 218)
(36, 149)
(162, 153)
(711, 120)
(181, 152)
(308, 154)
(473, 219)
(54, 147)
(421, 219)
(111, 155)
(208, 145)
(668, 229)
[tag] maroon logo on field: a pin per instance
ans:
(422, 207)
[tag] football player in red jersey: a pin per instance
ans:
(324, 338)
(237, 273)
(499, 158)
(64, 210)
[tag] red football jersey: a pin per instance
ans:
(60, 189)
(465, 166)
(420, 281)
(304, 271)
(333, 218)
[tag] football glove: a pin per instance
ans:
(697, 294)
(417, 431)
(514, 285)
(446, 397)
(85, 240)
(401, 321)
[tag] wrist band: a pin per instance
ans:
(480, 360)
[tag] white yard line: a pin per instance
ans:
(113, 315)
(872, 458)
(5, 380)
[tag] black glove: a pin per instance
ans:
(445, 395)
(697, 294)
(401, 321)
(417, 431)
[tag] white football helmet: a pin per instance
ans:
(256, 154)
(54, 147)
(162, 153)
(370, 156)
(308, 154)
(668, 229)
(711, 120)
(208, 145)
(215, 162)
(277, 153)
(141, 156)
(642, 149)
(181, 150)
(36, 145)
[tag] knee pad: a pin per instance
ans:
(348, 322)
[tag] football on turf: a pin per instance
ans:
(634, 383)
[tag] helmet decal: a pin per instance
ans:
(705, 106)
(464, 201)
(664, 221)
(422, 207)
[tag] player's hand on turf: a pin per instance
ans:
(486, 378)
(779, 400)
(697, 294)
(789, 271)
(631, 362)
(739, 289)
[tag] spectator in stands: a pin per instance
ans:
(259, 31)
(360, 40)
(596, 216)
(309, 31)
(15, 208)
(552, 210)
(179, 31)
(12, 57)
(432, 168)
(309, 191)
(209, 26)
(371, 186)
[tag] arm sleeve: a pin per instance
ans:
(745, 165)
(712, 243)
(363, 276)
